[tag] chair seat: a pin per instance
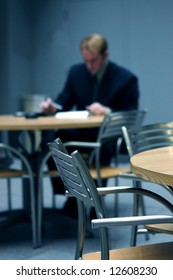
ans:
(163, 228)
(12, 173)
(161, 251)
(107, 172)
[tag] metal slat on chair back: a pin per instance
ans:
(70, 175)
(112, 129)
(151, 136)
(113, 123)
(155, 136)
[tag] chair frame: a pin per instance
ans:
(148, 136)
(79, 183)
(110, 129)
(25, 172)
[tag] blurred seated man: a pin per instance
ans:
(98, 85)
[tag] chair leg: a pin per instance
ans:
(133, 239)
(143, 212)
(9, 194)
(53, 201)
(134, 229)
(81, 230)
(138, 207)
(33, 217)
(116, 205)
(39, 211)
(116, 202)
(141, 206)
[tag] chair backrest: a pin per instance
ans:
(113, 122)
(75, 176)
(111, 130)
(147, 137)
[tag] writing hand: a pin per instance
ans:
(48, 106)
(98, 109)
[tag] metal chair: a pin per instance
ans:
(109, 130)
(147, 137)
(79, 184)
(20, 170)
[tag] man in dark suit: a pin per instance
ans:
(117, 87)
(97, 85)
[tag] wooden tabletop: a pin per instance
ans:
(10, 122)
(155, 165)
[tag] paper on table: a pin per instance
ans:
(72, 114)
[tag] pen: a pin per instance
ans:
(57, 106)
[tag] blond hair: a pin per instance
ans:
(94, 42)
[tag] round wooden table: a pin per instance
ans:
(155, 165)
(10, 122)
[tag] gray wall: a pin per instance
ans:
(41, 39)
(16, 51)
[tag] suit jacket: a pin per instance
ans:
(117, 90)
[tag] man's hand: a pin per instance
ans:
(48, 106)
(98, 109)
